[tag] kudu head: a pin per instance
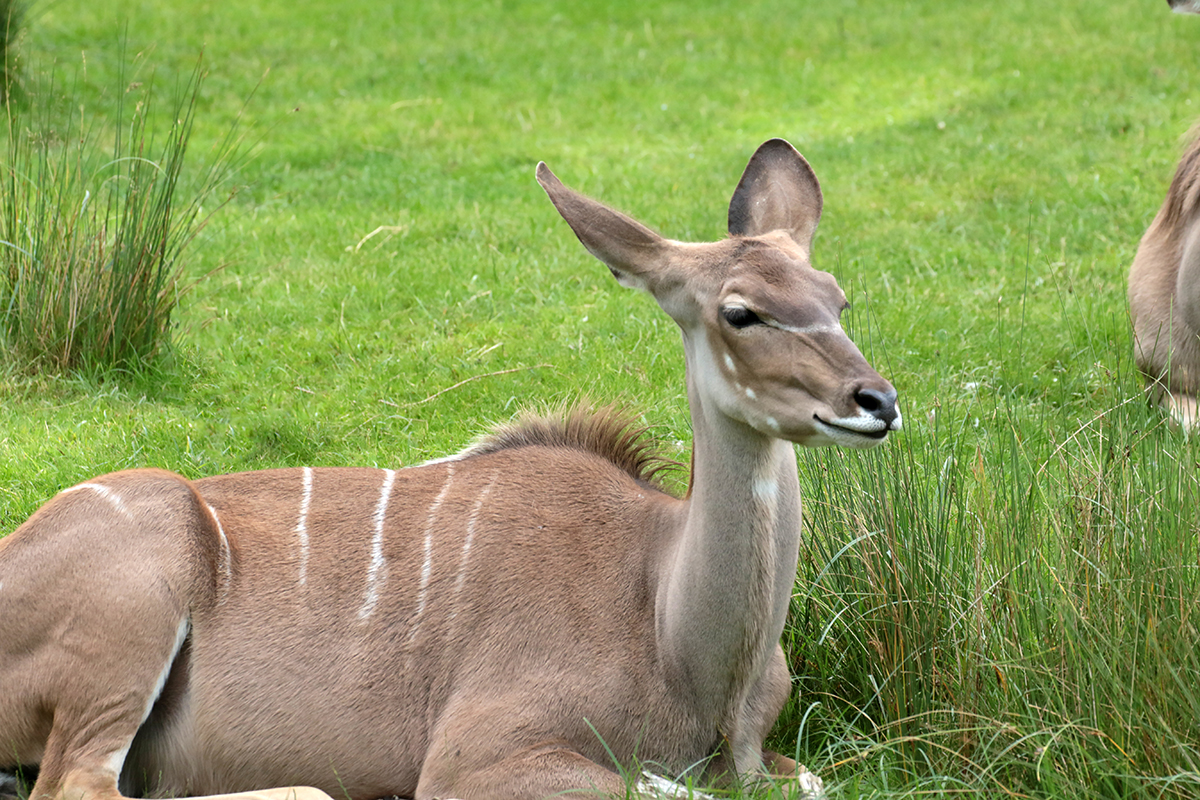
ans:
(760, 325)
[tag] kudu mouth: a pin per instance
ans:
(879, 415)
(879, 430)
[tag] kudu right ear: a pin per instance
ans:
(778, 191)
(632, 251)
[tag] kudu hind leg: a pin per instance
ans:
(102, 699)
(105, 576)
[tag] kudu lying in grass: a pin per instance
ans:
(513, 621)
(1164, 289)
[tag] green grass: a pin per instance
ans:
(1003, 602)
(12, 22)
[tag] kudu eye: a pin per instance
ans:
(740, 316)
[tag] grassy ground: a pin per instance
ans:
(1003, 603)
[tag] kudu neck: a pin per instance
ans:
(730, 578)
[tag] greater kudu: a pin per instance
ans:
(1164, 288)
(503, 623)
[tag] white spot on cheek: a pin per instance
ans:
(751, 394)
(729, 363)
(377, 571)
(773, 424)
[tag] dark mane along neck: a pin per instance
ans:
(1184, 193)
(610, 432)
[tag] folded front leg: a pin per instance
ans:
(533, 773)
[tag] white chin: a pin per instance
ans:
(859, 433)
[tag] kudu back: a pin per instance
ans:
(518, 620)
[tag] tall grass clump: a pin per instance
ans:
(95, 226)
(1017, 615)
(12, 19)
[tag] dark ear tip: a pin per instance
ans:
(777, 143)
(778, 147)
(544, 176)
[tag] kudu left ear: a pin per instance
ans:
(778, 192)
(633, 252)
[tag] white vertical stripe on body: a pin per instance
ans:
(302, 524)
(427, 564)
(225, 564)
(108, 494)
(377, 569)
(464, 559)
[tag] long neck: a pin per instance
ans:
(1189, 278)
(729, 580)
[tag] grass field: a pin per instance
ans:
(1004, 602)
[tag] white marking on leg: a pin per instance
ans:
(812, 787)
(225, 563)
(463, 559)
(427, 564)
(302, 524)
(377, 571)
(108, 494)
(181, 632)
(659, 788)
(116, 760)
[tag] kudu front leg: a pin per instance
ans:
(534, 773)
(1184, 410)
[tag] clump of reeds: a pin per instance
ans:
(1017, 617)
(12, 20)
(94, 226)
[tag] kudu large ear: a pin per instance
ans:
(777, 192)
(630, 249)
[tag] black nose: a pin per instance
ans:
(879, 404)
